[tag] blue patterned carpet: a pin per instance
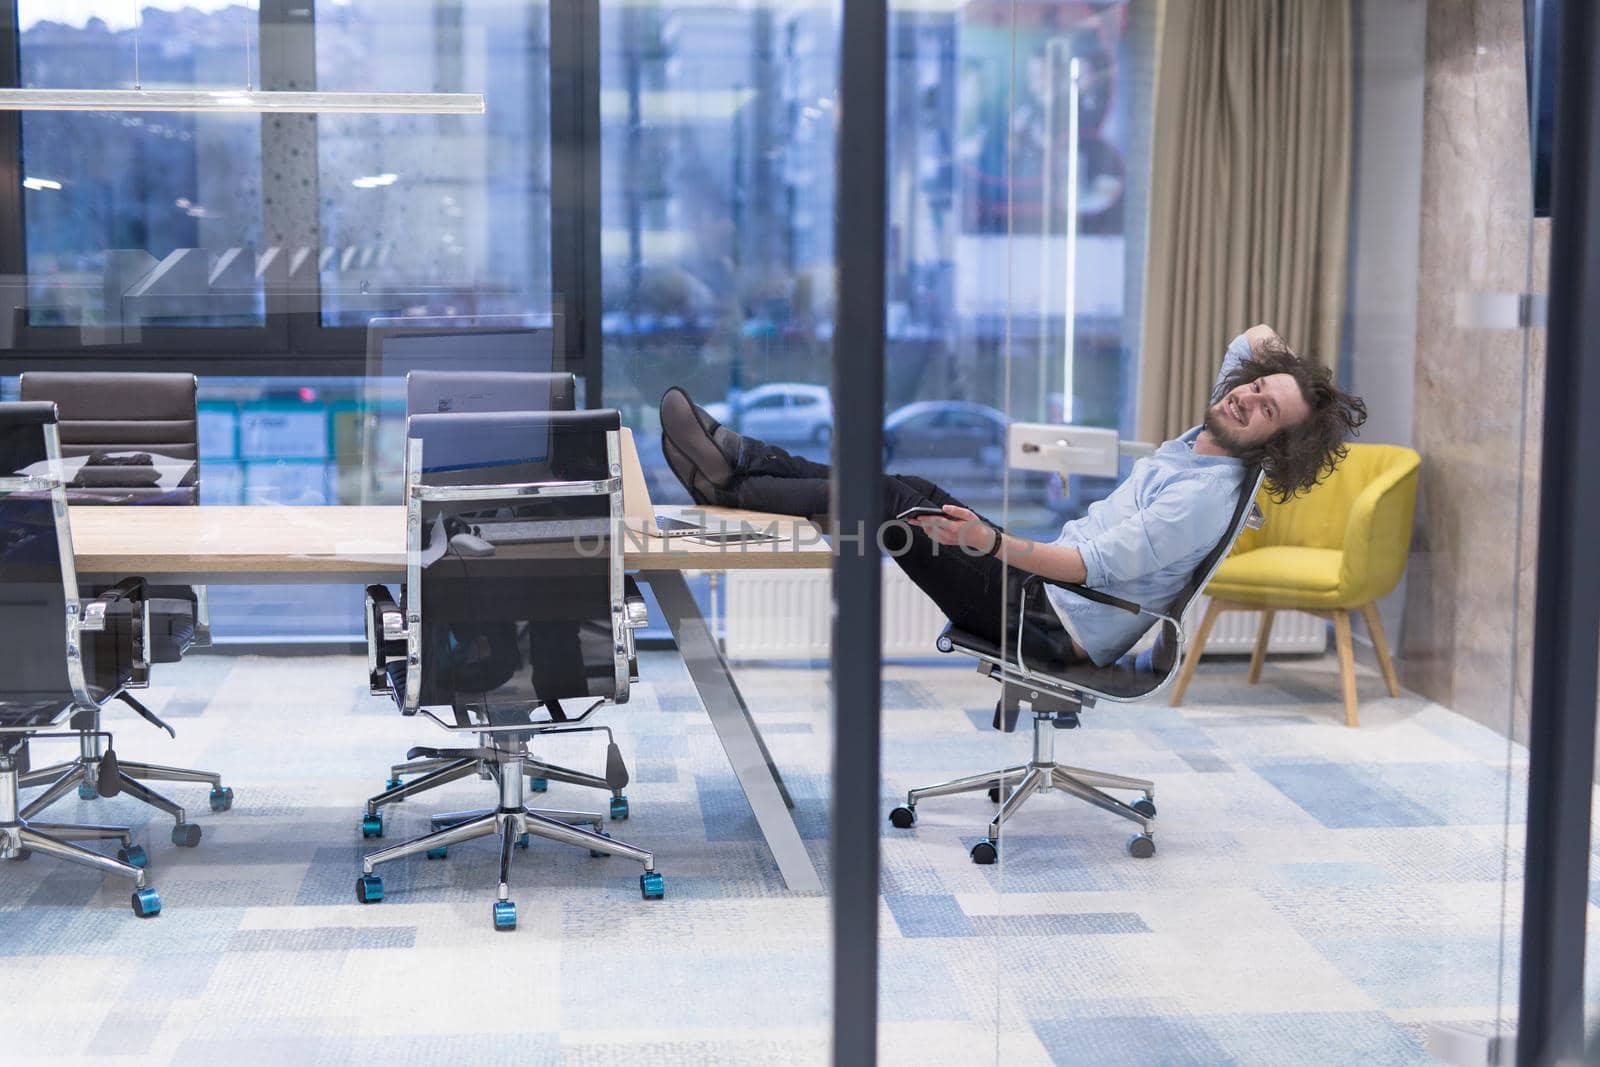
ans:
(1320, 895)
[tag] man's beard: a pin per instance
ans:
(1222, 433)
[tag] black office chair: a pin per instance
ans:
(457, 391)
(132, 439)
(1056, 694)
(63, 656)
(514, 605)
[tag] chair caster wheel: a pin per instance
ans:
(994, 794)
(439, 853)
(596, 853)
(1145, 806)
(87, 791)
(222, 798)
(652, 886)
(372, 825)
(133, 856)
(522, 841)
(903, 818)
(21, 854)
(369, 889)
(1141, 846)
(146, 902)
(985, 852)
(619, 808)
(186, 835)
(539, 785)
(505, 915)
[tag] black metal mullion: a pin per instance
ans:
(1566, 613)
(12, 237)
(857, 494)
(575, 185)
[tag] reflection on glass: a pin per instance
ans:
(139, 219)
(435, 215)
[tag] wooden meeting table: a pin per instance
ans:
(273, 545)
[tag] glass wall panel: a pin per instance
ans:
(430, 214)
(132, 218)
(1335, 769)
(717, 143)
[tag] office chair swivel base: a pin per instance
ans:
(443, 771)
(89, 778)
(513, 829)
(540, 775)
(20, 838)
(1042, 774)
(514, 823)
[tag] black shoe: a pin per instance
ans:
(699, 450)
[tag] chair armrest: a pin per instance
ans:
(1377, 538)
(386, 635)
(633, 600)
(1088, 594)
(635, 616)
(127, 599)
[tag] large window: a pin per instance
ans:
(719, 128)
(429, 214)
(153, 220)
(139, 219)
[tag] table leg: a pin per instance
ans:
(741, 740)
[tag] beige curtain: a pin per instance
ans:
(1249, 192)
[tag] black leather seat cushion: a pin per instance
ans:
(1135, 675)
(35, 714)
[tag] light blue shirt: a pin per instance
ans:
(1143, 542)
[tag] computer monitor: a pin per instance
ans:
(431, 392)
(398, 346)
(505, 350)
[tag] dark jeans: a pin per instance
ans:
(974, 591)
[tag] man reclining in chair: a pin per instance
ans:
(1269, 409)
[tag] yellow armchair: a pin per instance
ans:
(1337, 549)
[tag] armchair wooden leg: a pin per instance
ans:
(1196, 647)
(1381, 643)
(1260, 652)
(1347, 666)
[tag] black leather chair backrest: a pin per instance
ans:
(428, 391)
(1138, 673)
(531, 620)
(140, 430)
(33, 616)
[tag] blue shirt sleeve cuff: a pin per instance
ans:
(1093, 571)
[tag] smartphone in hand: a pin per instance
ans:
(921, 511)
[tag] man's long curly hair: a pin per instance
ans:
(1295, 460)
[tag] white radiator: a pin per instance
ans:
(785, 615)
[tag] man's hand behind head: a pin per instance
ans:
(1261, 334)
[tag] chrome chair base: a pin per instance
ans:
(20, 837)
(85, 775)
(1042, 774)
(539, 775)
(512, 820)
(85, 772)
